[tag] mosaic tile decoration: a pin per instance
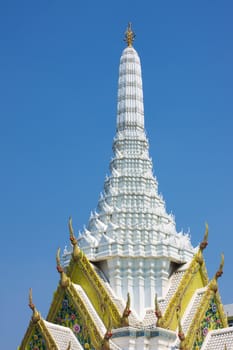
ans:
(68, 316)
(37, 341)
(211, 321)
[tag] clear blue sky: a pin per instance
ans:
(58, 86)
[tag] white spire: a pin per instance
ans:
(132, 233)
(130, 111)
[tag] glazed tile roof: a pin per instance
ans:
(174, 282)
(62, 336)
(149, 320)
(192, 308)
(98, 322)
(219, 339)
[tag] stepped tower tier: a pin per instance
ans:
(131, 236)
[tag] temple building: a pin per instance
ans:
(131, 281)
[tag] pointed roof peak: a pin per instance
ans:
(129, 35)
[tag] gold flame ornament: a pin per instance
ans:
(129, 35)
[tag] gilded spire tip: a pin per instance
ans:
(129, 35)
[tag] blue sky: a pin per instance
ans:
(58, 86)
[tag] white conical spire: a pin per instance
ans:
(130, 111)
(132, 235)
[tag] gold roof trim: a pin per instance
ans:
(197, 264)
(211, 291)
(37, 323)
(96, 337)
(82, 272)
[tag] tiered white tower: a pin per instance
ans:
(131, 236)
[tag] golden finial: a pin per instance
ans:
(105, 342)
(129, 35)
(64, 281)
(35, 315)
(180, 331)
(128, 302)
(71, 227)
(213, 283)
(204, 242)
(220, 270)
(69, 346)
(73, 240)
(58, 260)
(126, 312)
(158, 312)
(199, 256)
(108, 333)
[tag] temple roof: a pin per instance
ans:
(63, 336)
(131, 274)
(219, 339)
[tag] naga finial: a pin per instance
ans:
(180, 330)
(220, 270)
(108, 333)
(158, 312)
(64, 281)
(71, 227)
(73, 240)
(204, 242)
(58, 260)
(69, 346)
(199, 256)
(126, 312)
(105, 342)
(129, 35)
(35, 315)
(128, 302)
(213, 283)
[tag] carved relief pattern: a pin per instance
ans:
(212, 320)
(37, 342)
(69, 317)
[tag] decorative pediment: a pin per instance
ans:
(209, 314)
(81, 272)
(194, 277)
